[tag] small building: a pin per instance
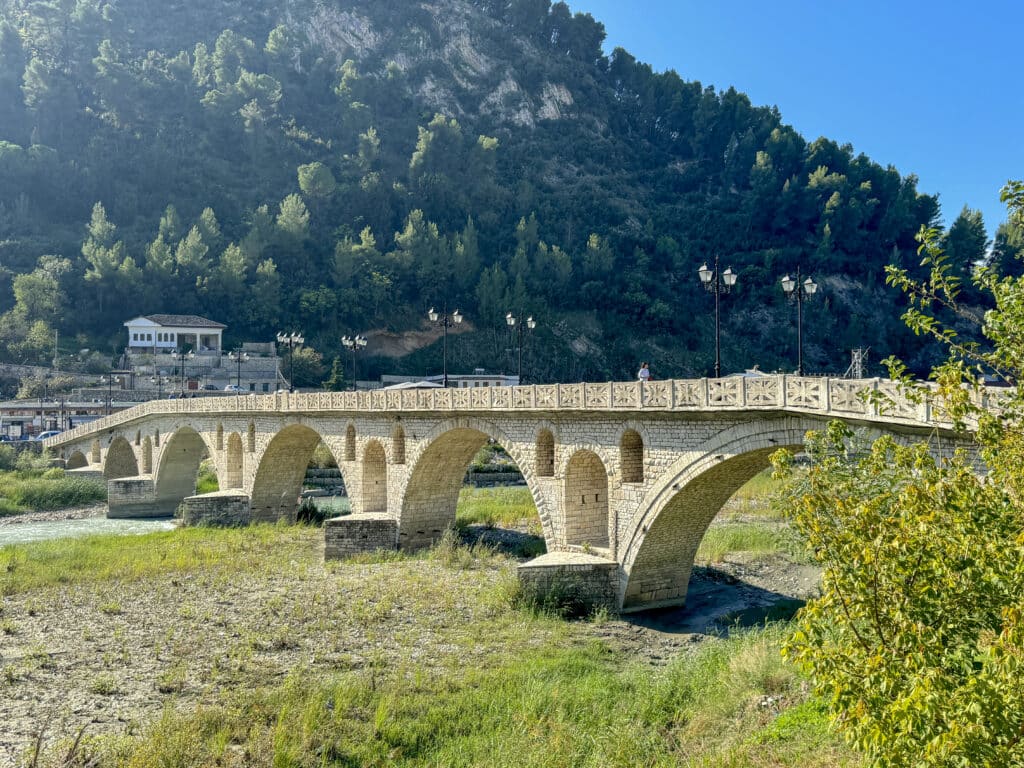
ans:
(165, 333)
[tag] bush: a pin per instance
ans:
(8, 457)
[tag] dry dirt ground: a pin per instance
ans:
(110, 656)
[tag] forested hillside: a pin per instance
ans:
(338, 167)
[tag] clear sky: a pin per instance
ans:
(932, 88)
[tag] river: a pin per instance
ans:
(22, 529)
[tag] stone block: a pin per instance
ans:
(134, 497)
(358, 534)
(222, 508)
(574, 579)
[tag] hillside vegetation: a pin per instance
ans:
(341, 166)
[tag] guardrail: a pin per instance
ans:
(851, 398)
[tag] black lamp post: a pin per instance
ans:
(159, 381)
(238, 356)
(292, 340)
(797, 291)
(182, 356)
(354, 343)
(445, 321)
(717, 283)
(517, 326)
(109, 381)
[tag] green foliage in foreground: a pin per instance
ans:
(36, 491)
(547, 706)
(917, 643)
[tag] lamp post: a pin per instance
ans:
(159, 381)
(354, 343)
(717, 283)
(797, 291)
(109, 381)
(238, 356)
(445, 321)
(292, 340)
(514, 323)
(182, 356)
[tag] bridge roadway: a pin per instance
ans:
(626, 476)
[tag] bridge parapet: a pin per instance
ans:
(845, 398)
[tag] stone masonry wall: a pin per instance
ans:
(358, 534)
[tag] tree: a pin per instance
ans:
(916, 644)
(336, 381)
(306, 367)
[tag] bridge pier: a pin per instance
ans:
(358, 534)
(135, 497)
(220, 508)
(573, 579)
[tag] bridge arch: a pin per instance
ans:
(662, 541)
(76, 460)
(282, 468)
(120, 460)
(431, 492)
(585, 502)
(178, 467)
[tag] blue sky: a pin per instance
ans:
(932, 88)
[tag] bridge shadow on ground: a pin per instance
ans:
(719, 601)
(512, 542)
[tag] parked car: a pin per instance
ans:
(233, 388)
(209, 388)
(7, 439)
(47, 434)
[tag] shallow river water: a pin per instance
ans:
(41, 530)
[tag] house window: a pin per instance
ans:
(266, 387)
(149, 337)
(135, 337)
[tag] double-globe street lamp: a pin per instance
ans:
(797, 291)
(109, 381)
(159, 381)
(291, 340)
(717, 283)
(445, 321)
(238, 356)
(354, 343)
(514, 323)
(182, 356)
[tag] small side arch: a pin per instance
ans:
(235, 461)
(545, 453)
(251, 438)
(138, 438)
(375, 478)
(631, 456)
(147, 456)
(350, 443)
(585, 502)
(220, 437)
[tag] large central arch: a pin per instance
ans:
(432, 491)
(178, 468)
(278, 482)
(663, 541)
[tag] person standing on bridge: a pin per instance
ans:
(644, 374)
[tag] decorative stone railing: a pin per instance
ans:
(847, 398)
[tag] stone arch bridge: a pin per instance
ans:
(626, 477)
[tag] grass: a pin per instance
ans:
(760, 540)
(27, 567)
(207, 482)
(505, 507)
(576, 703)
(39, 490)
